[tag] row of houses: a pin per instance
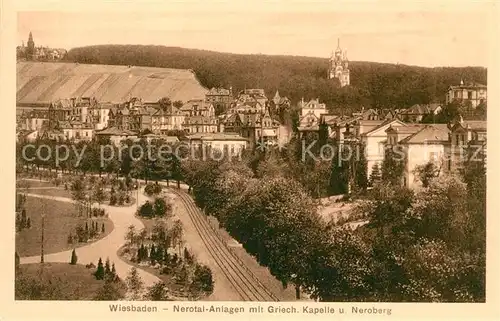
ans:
(443, 144)
(84, 118)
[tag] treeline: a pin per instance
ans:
(425, 246)
(376, 85)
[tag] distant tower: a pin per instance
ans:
(30, 50)
(339, 66)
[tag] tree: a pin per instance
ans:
(28, 223)
(176, 235)
(74, 258)
(17, 261)
(152, 255)
(99, 273)
(425, 173)
(165, 103)
(375, 175)
(131, 235)
(146, 210)
(393, 165)
(113, 270)
(158, 292)
(23, 218)
(108, 292)
(134, 283)
(99, 195)
(161, 208)
(107, 267)
(202, 279)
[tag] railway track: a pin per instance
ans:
(241, 278)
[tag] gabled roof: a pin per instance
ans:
(388, 122)
(469, 86)
(312, 104)
(329, 119)
(407, 129)
(190, 104)
(428, 134)
(421, 109)
(476, 125)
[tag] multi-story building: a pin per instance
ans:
(227, 144)
(220, 98)
(132, 115)
(339, 66)
(472, 93)
(252, 97)
(279, 105)
(374, 140)
(199, 117)
(114, 135)
(167, 119)
(429, 144)
(100, 115)
(464, 135)
(34, 120)
(258, 128)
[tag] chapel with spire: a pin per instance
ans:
(339, 66)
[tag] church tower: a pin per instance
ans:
(339, 66)
(30, 50)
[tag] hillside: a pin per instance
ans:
(372, 84)
(42, 82)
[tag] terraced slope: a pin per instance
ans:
(43, 82)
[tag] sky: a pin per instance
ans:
(425, 33)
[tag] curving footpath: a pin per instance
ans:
(122, 218)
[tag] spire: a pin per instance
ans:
(338, 51)
(30, 37)
(461, 82)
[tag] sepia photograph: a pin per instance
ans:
(307, 152)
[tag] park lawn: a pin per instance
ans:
(60, 219)
(59, 281)
(34, 183)
(55, 191)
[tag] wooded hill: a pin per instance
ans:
(376, 85)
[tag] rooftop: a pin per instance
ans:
(430, 133)
(216, 136)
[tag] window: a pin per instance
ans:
(469, 95)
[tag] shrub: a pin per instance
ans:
(202, 280)
(146, 210)
(121, 200)
(152, 189)
(112, 200)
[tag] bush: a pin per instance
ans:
(146, 210)
(153, 189)
(202, 280)
(112, 200)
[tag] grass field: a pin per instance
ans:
(60, 219)
(55, 191)
(58, 281)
